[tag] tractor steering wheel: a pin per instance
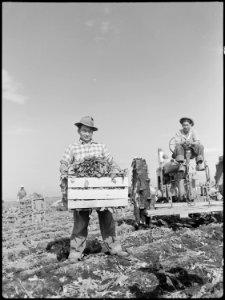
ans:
(172, 144)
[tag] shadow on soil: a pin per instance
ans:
(175, 279)
(126, 221)
(175, 222)
(61, 247)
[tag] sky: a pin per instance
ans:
(136, 68)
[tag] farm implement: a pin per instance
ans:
(181, 190)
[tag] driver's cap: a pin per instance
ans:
(189, 119)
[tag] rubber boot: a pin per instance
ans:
(114, 247)
(77, 246)
(181, 168)
(180, 158)
(199, 159)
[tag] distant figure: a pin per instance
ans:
(21, 194)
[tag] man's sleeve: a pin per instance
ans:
(109, 158)
(106, 154)
(68, 155)
(178, 138)
(66, 160)
(195, 136)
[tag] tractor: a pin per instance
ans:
(181, 186)
(180, 191)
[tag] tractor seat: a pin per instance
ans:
(187, 152)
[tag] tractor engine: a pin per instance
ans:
(171, 183)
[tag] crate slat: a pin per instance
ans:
(74, 182)
(72, 204)
(93, 192)
(185, 211)
(98, 193)
(185, 204)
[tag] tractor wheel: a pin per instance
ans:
(172, 144)
(136, 204)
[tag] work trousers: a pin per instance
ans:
(81, 221)
(197, 151)
(171, 167)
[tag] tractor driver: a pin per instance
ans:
(187, 138)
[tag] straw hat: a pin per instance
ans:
(188, 119)
(87, 121)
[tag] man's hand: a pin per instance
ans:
(194, 143)
(63, 168)
(64, 176)
(187, 143)
(113, 176)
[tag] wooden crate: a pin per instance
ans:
(32, 210)
(38, 218)
(93, 192)
(38, 204)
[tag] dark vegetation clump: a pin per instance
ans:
(95, 167)
(61, 247)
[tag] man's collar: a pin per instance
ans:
(83, 143)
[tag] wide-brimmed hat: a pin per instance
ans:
(87, 121)
(189, 119)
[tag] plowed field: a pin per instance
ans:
(172, 259)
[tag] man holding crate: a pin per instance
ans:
(77, 151)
